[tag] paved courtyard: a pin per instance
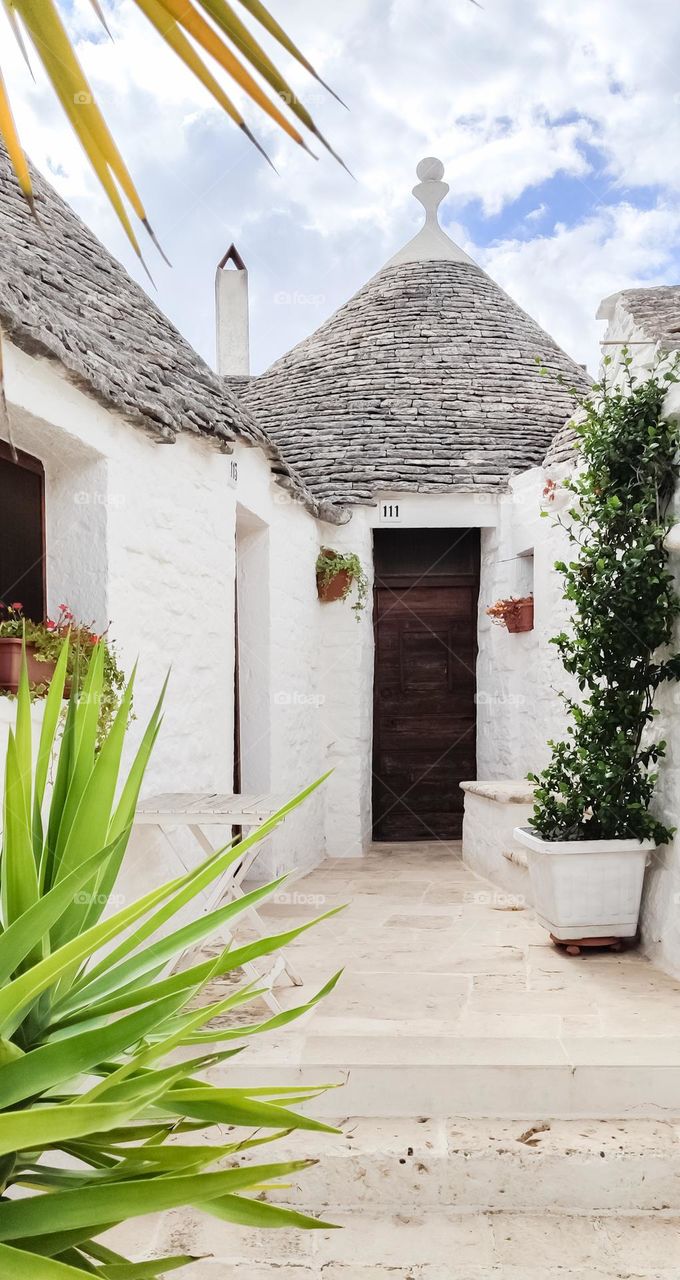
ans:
(506, 1111)
(416, 910)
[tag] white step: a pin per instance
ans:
(412, 1076)
(415, 1165)
(433, 1246)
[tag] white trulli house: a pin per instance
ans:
(414, 428)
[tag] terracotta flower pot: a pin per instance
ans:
(521, 616)
(10, 665)
(334, 588)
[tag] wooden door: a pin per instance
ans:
(22, 532)
(424, 705)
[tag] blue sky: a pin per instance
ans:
(558, 126)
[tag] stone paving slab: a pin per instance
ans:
(434, 1245)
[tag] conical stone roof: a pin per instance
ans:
(427, 380)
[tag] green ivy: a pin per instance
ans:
(601, 779)
(329, 563)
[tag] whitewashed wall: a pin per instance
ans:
(519, 676)
(143, 535)
(347, 691)
(281, 661)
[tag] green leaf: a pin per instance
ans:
(44, 1126)
(90, 827)
(18, 1265)
(19, 993)
(67, 1210)
(53, 708)
(261, 1215)
(53, 1064)
(19, 873)
(145, 1270)
(20, 938)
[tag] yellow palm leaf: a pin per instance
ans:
(10, 137)
(224, 16)
(49, 36)
(205, 35)
(269, 23)
(172, 34)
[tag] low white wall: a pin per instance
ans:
(492, 811)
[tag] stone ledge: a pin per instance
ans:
(515, 791)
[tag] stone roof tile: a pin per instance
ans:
(63, 296)
(430, 363)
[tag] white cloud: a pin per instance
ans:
(510, 96)
(561, 279)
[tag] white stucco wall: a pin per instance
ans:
(140, 536)
(144, 536)
(519, 675)
(282, 700)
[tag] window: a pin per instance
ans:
(525, 574)
(22, 532)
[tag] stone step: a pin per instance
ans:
(515, 1078)
(415, 1165)
(433, 1246)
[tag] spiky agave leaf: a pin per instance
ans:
(212, 24)
(89, 1038)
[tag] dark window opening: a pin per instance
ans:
(22, 532)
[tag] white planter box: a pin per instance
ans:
(586, 888)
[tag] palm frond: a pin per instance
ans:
(194, 30)
(90, 1033)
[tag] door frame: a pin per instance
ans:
(400, 581)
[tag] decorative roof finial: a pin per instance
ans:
(430, 190)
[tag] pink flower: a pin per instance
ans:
(17, 606)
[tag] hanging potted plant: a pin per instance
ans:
(592, 827)
(337, 573)
(44, 642)
(516, 613)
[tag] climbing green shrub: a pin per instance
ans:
(601, 778)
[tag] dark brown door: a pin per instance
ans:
(424, 710)
(22, 532)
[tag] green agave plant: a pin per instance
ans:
(102, 1052)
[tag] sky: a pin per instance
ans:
(557, 124)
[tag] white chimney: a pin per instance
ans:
(231, 306)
